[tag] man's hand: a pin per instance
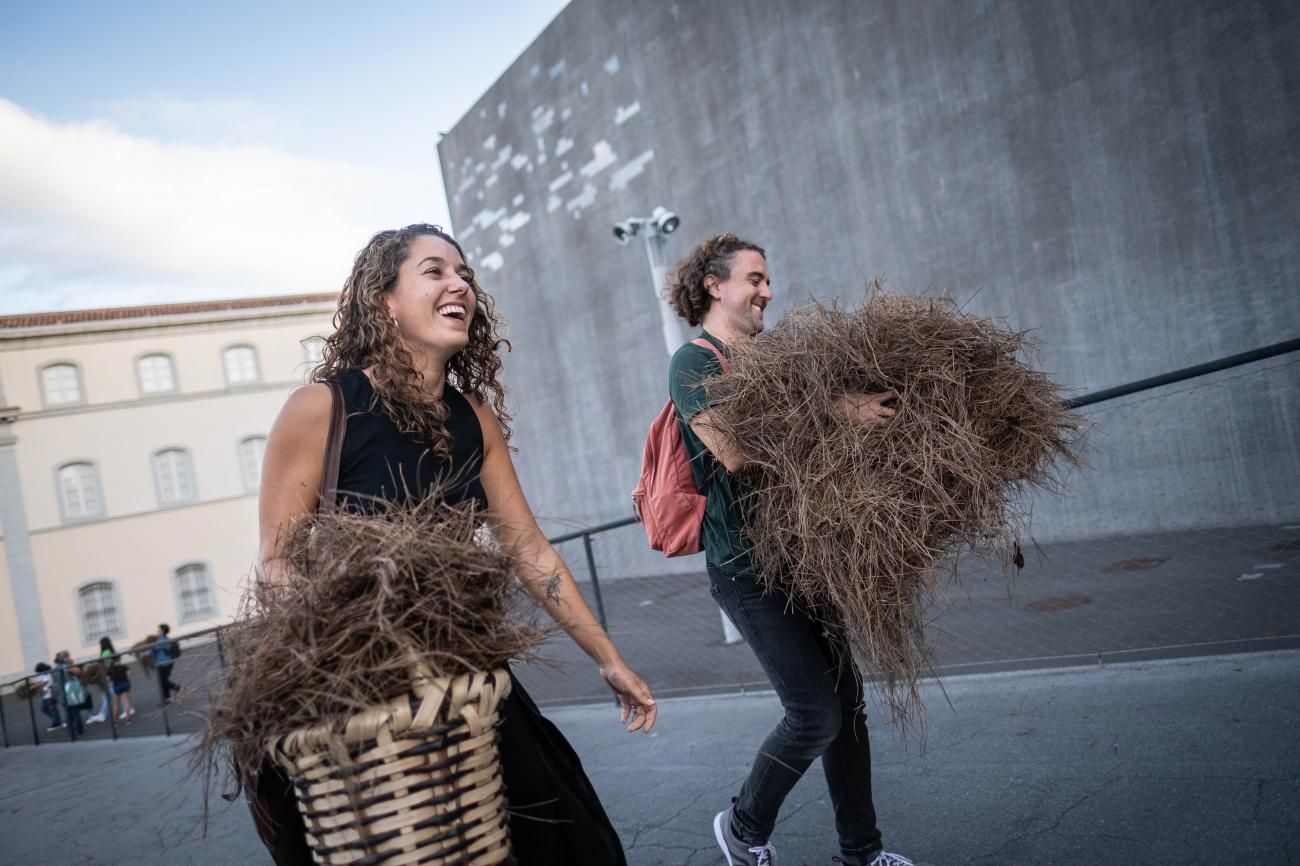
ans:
(866, 408)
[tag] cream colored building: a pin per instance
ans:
(130, 451)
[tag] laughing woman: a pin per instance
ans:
(414, 352)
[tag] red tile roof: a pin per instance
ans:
(69, 317)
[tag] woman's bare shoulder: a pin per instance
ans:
(306, 409)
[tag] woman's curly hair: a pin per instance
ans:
(685, 289)
(365, 336)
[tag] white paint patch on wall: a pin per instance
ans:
(503, 156)
(553, 202)
(519, 161)
(492, 261)
(602, 158)
(563, 146)
(623, 112)
(501, 110)
(486, 218)
(490, 181)
(516, 221)
(506, 239)
(566, 114)
(490, 142)
(543, 117)
(581, 202)
(560, 181)
(584, 89)
(612, 65)
(634, 168)
(517, 200)
(556, 70)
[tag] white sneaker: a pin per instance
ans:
(54, 727)
(884, 858)
(737, 852)
(121, 717)
(97, 717)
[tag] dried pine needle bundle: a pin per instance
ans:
(333, 634)
(854, 521)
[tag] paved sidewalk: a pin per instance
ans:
(1191, 761)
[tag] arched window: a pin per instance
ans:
(241, 365)
(313, 350)
(101, 615)
(156, 373)
(250, 461)
(194, 596)
(79, 493)
(61, 385)
(174, 475)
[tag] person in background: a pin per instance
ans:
(106, 654)
(119, 682)
(49, 705)
(66, 677)
(164, 656)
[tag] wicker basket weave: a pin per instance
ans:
(415, 781)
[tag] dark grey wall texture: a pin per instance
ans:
(1123, 177)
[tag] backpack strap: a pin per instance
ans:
(708, 344)
(329, 477)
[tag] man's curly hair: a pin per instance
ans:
(365, 336)
(714, 257)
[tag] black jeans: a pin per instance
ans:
(821, 693)
(165, 682)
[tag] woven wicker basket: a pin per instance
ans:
(415, 781)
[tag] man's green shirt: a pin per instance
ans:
(723, 531)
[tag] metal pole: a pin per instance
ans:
(595, 581)
(654, 253)
(1184, 374)
(4, 727)
(31, 711)
(167, 725)
(108, 693)
(62, 691)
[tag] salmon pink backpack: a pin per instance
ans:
(666, 499)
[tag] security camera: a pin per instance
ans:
(665, 220)
(624, 231)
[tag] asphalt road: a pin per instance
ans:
(1189, 761)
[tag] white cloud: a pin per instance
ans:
(219, 122)
(91, 215)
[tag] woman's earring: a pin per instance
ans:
(395, 322)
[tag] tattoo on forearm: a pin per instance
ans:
(553, 589)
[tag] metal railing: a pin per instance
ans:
(215, 654)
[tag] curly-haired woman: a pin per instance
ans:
(414, 352)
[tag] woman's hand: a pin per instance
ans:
(634, 698)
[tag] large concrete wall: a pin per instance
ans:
(1122, 177)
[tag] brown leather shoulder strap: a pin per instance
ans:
(329, 477)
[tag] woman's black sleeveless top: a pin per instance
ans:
(380, 464)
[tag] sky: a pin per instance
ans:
(155, 152)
